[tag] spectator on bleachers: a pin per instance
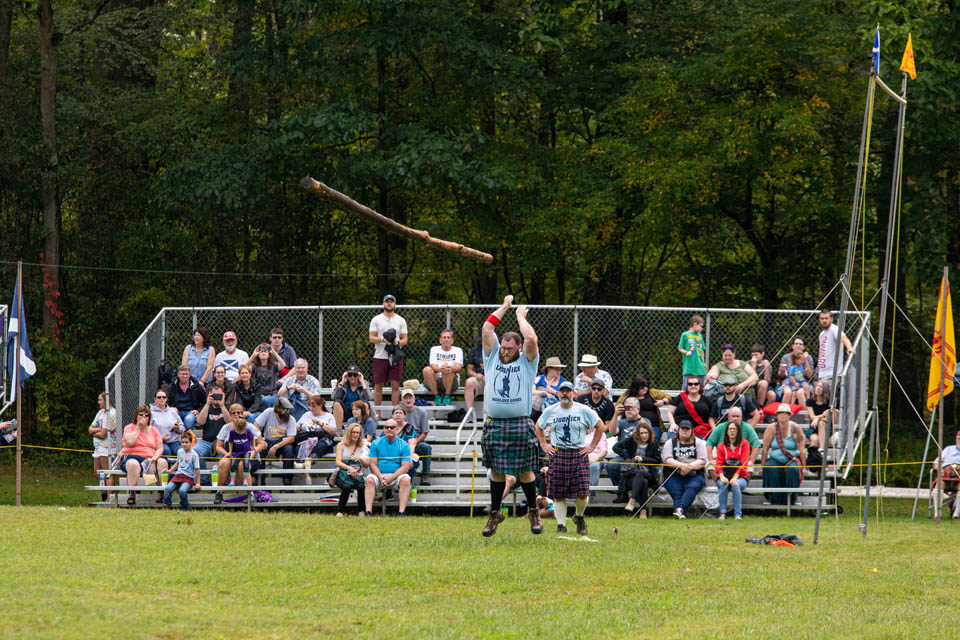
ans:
(352, 388)
(142, 449)
(445, 363)
(761, 365)
(102, 429)
(649, 402)
(421, 423)
(246, 394)
(231, 357)
(598, 401)
(474, 383)
(266, 368)
(186, 474)
(361, 416)
(691, 406)
(692, 351)
(297, 387)
(730, 398)
(809, 366)
(167, 421)
(827, 354)
(795, 389)
(211, 419)
(946, 469)
(747, 432)
(220, 379)
(353, 454)
(784, 454)
(316, 430)
(225, 462)
(240, 442)
(817, 407)
(547, 383)
(279, 431)
(741, 370)
(385, 369)
(684, 459)
(199, 355)
(596, 458)
(623, 424)
(187, 396)
(733, 460)
(637, 479)
(389, 463)
(286, 356)
(590, 369)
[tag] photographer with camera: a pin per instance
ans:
(211, 418)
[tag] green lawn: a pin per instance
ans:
(79, 572)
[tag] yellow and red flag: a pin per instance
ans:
(944, 347)
(907, 63)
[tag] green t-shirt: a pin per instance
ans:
(693, 364)
(749, 434)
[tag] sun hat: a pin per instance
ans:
(588, 360)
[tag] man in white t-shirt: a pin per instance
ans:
(231, 358)
(383, 370)
(446, 362)
(827, 355)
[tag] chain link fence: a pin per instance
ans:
(627, 340)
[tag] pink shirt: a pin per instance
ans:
(601, 451)
(147, 442)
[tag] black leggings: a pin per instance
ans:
(640, 484)
(345, 495)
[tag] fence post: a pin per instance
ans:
(576, 337)
(448, 318)
(706, 339)
(320, 346)
(163, 335)
(194, 324)
(143, 368)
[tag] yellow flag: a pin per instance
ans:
(908, 64)
(943, 346)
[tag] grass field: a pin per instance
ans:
(80, 573)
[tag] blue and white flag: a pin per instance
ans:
(18, 327)
(876, 51)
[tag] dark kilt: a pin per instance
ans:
(569, 475)
(510, 445)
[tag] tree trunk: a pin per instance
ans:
(6, 20)
(48, 187)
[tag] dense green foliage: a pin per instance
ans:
(605, 151)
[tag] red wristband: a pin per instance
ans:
(492, 319)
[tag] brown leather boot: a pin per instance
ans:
(536, 526)
(495, 518)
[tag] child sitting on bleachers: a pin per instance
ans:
(239, 448)
(184, 473)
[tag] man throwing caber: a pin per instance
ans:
(509, 441)
(569, 476)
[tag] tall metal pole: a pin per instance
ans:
(885, 286)
(923, 460)
(943, 373)
(844, 279)
(16, 374)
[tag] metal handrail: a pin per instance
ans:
(136, 343)
(470, 413)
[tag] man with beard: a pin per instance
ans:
(509, 442)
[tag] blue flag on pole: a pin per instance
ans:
(876, 51)
(18, 327)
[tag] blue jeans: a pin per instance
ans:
(253, 416)
(613, 470)
(171, 448)
(203, 449)
(189, 420)
(423, 450)
(180, 487)
(595, 473)
(735, 488)
(268, 401)
(684, 489)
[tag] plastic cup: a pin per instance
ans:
(413, 495)
(214, 477)
(164, 477)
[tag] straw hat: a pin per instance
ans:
(554, 361)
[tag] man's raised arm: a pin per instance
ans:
(489, 330)
(530, 348)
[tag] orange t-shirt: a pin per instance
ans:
(147, 442)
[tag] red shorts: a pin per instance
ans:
(382, 371)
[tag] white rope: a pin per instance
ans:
(904, 313)
(783, 347)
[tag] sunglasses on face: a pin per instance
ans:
(160, 397)
(142, 415)
(236, 413)
(281, 410)
(597, 388)
(693, 384)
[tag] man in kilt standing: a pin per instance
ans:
(569, 473)
(509, 442)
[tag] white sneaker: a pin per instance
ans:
(631, 505)
(339, 515)
(738, 517)
(722, 516)
(678, 512)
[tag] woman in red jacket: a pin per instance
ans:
(732, 456)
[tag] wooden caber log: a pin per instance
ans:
(346, 202)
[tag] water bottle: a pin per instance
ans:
(103, 478)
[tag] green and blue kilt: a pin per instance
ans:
(569, 475)
(510, 445)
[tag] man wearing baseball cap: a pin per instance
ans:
(383, 371)
(569, 475)
(231, 358)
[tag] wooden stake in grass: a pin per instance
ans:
(348, 203)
